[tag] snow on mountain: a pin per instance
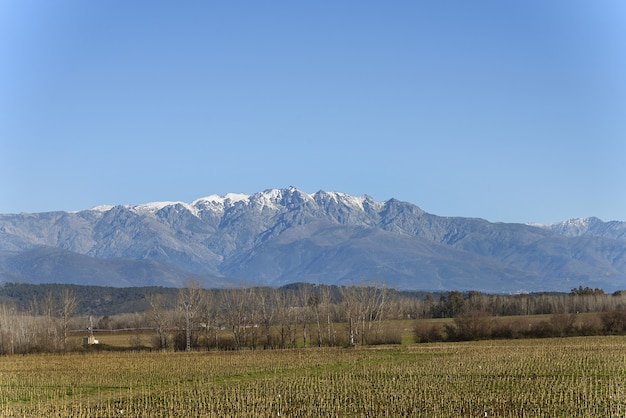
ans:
(272, 199)
(100, 208)
(278, 236)
(346, 199)
(574, 227)
(226, 200)
(154, 207)
(578, 227)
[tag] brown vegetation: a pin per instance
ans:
(583, 377)
(305, 315)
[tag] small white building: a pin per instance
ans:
(91, 340)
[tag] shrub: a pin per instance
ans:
(589, 325)
(541, 330)
(563, 324)
(613, 322)
(428, 332)
(507, 329)
(385, 336)
(475, 325)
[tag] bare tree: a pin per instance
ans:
(236, 309)
(374, 310)
(159, 315)
(314, 304)
(69, 305)
(210, 317)
(268, 310)
(190, 300)
(303, 310)
(7, 314)
(327, 308)
(286, 317)
(350, 310)
(363, 306)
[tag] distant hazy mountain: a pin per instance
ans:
(280, 236)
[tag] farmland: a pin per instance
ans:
(581, 376)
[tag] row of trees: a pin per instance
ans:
(308, 315)
(299, 315)
(302, 315)
(481, 326)
(457, 303)
(45, 327)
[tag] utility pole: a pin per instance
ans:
(190, 300)
(91, 337)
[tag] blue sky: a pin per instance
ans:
(509, 111)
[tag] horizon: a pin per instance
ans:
(243, 196)
(509, 112)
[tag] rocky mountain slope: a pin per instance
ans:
(285, 235)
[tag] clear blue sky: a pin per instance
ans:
(511, 111)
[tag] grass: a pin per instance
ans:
(125, 339)
(568, 377)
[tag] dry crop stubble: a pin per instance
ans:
(521, 378)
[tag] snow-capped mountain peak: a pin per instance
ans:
(217, 203)
(101, 208)
(279, 236)
(153, 207)
(222, 200)
(273, 199)
(572, 227)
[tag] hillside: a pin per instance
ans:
(285, 235)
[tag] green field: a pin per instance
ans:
(567, 377)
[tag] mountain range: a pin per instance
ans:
(281, 236)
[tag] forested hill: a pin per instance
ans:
(108, 300)
(104, 301)
(92, 300)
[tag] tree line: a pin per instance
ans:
(300, 315)
(44, 326)
(297, 315)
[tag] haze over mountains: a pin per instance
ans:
(281, 236)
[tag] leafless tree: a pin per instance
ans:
(237, 306)
(350, 310)
(314, 304)
(326, 307)
(190, 300)
(210, 318)
(160, 317)
(303, 310)
(267, 302)
(69, 305)
(364, 306)
(287, 317)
